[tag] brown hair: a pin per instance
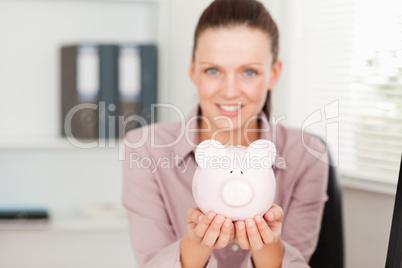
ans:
(251, 13)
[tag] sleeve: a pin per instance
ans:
(302, 222)
(152, 237)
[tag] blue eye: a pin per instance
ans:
(250, 72)
(212, 71)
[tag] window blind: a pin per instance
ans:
(343, 67)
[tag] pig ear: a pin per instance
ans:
(263, 148)
(208, 149)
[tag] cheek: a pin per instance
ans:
(257, 90)
(206, 87)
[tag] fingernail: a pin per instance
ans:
(227, 223)
(211, 215)
(258, 219)
(219, 219)
(240, 226)
(249, 223)
(200, 217)
(270, 216)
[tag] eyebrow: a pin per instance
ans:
(252, 63)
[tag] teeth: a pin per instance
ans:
(230, 108)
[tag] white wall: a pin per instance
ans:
(60, 178)
(55, 174)
(66, 249)
(32, 33)
(184, 17)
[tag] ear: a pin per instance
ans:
(276, 71)
(191, 70)
(264, 149)
(208, 149)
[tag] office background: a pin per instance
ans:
(37, 166)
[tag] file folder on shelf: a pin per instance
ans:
(101, 83)
(80, 91)
(108, 121)
(137, 85)
(129, 88)
(148, 81)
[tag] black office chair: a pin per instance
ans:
(329, 252)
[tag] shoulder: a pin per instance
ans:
(305, 158)
(299, 148)
(288, 137)
(161, 130)
(148, 137)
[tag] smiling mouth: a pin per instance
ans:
(230, 108)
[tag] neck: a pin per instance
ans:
(240, 136)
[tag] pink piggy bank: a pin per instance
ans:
(235, 181)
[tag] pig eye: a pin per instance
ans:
(241, 172)
(231, 171)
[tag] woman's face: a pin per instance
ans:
(233, 71)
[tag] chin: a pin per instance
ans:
(222, 124)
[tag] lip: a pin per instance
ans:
(230, 114)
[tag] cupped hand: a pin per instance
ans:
(209, 230)
(260, 231)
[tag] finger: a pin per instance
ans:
(193, 216)
(266, 233)
(190, 224)
(224, 235)
(276, 228)
(213, 231)
(241, 235)
(188, 215)
(232, 233)
(203, 225)
(278, 212)
(275, 213)
(253, 235)
(196, 216)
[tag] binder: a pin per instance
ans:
(80, 91)
(101, 83)
(137, 85)
(108, 121)
(129, 86)
(148, 82)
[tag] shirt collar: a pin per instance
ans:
(191, 138)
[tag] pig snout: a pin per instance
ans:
(237, 193)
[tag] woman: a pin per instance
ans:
(234, 67)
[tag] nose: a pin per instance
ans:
(230, 88)
(237, 193)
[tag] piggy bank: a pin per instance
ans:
(235, 181)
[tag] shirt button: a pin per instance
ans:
(235, 248)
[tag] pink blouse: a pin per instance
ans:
(158, 171)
